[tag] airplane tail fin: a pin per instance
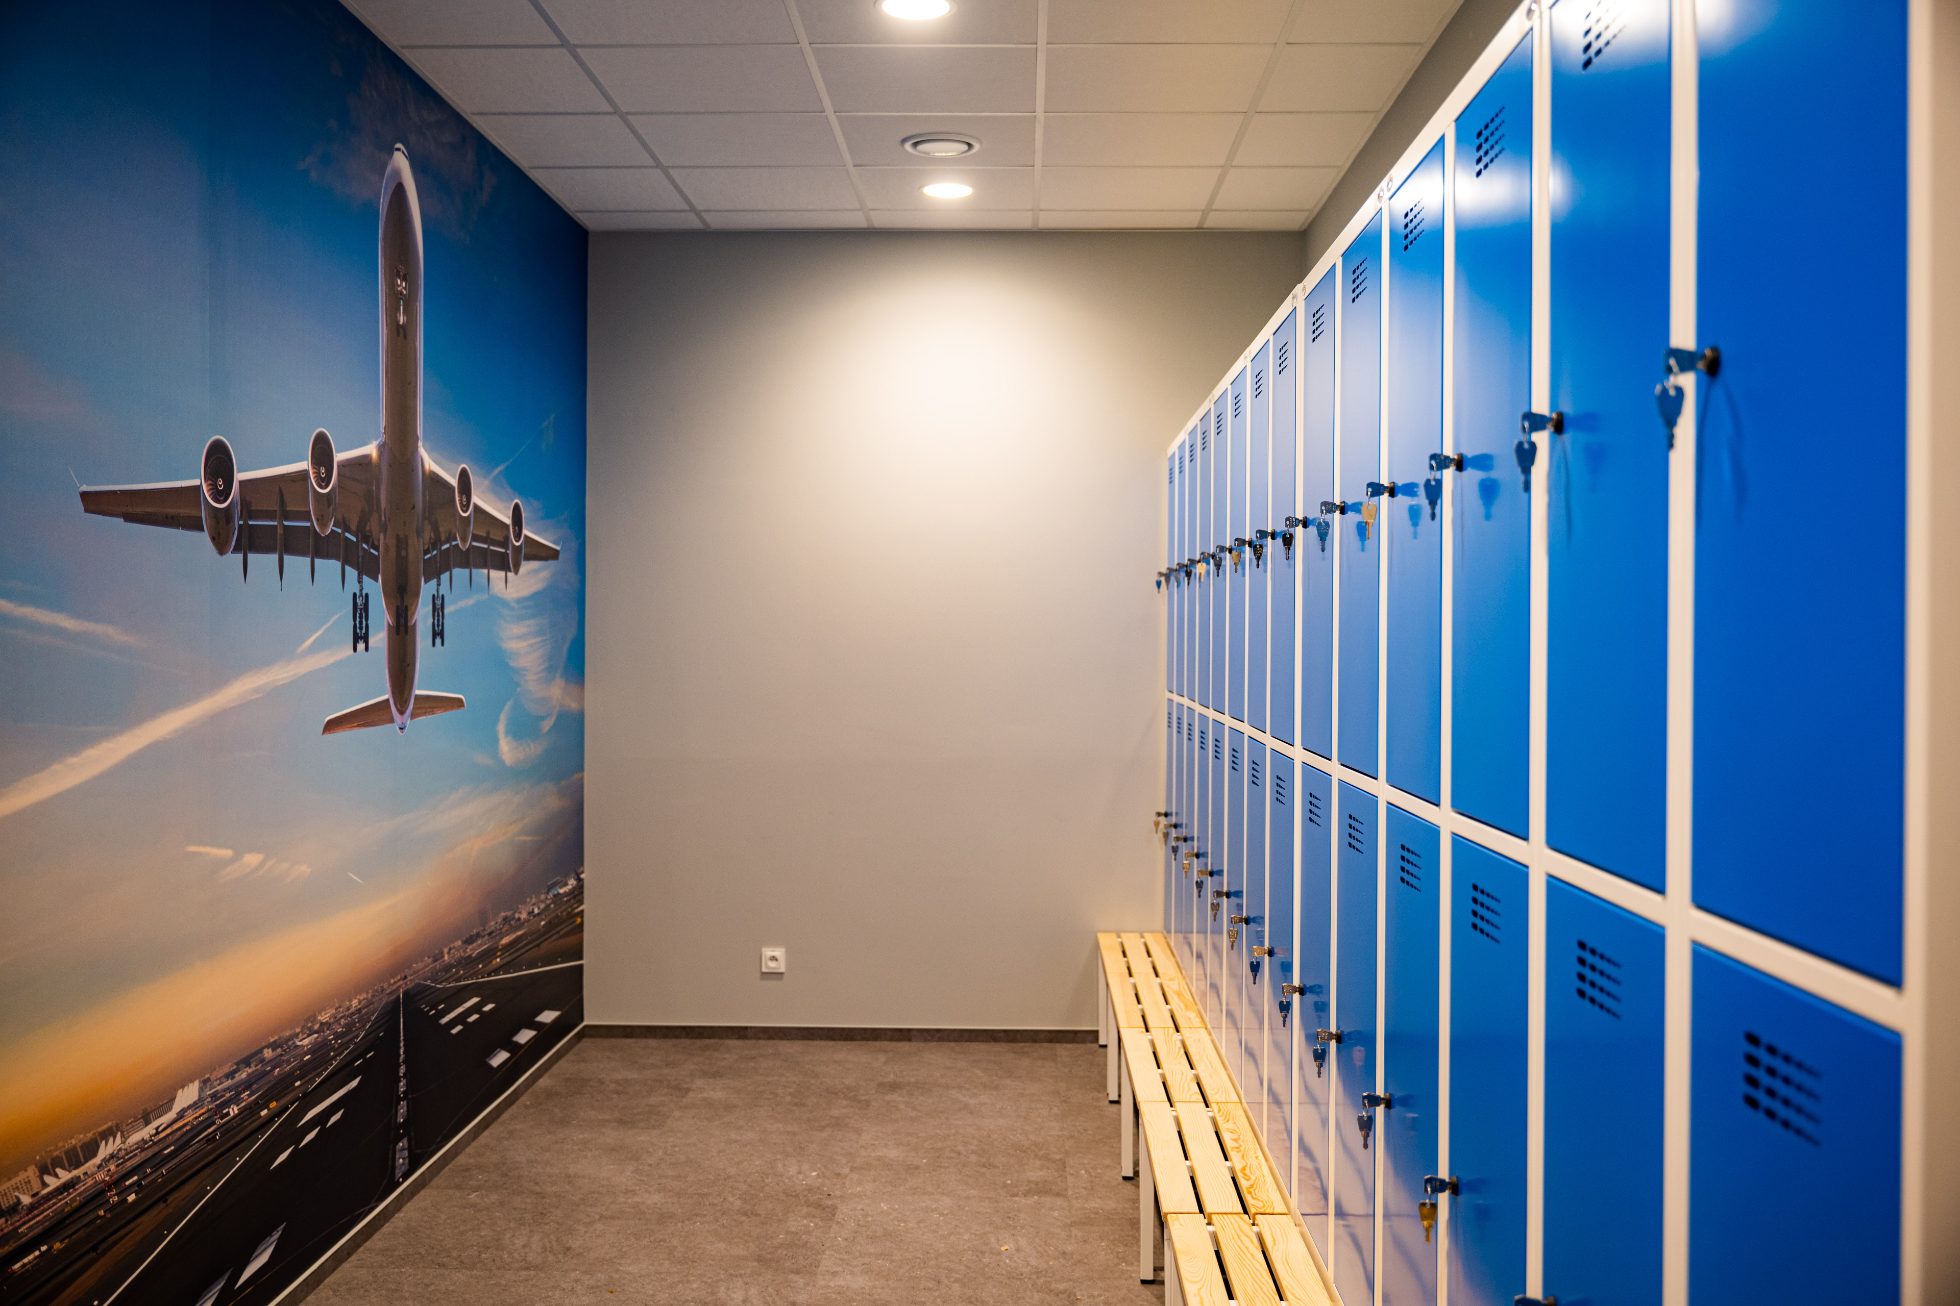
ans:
(378, 712)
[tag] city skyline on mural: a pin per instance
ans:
(211, 905)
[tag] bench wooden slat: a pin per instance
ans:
(1122, 990)
(1180, 1081)
(1138, 955)
(1245, 1261)
(1300, 1281)
(1175, 1195)
(1146, 1080)
(1212, 1075)
(1209, 1168)
(1261, 1187)
(1150, 997)
(1161, 953)
(1197, 1266)
(1184, 1007)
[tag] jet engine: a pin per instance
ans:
(465, 505)
(322, 481)
(516, 535)
(218, 494)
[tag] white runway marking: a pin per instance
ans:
(498, 1057)
(211, 1293)
(274, 1166)
(472, 1019)
(334, 1119)
(261, 1256)
(311, 1134)
(457, 1030)
(546, 1017)
(465, 1005)
(338, 1093)
(523, 1036)
(489, 1006)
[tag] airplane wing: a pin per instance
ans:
(274, 519)
(489, 547)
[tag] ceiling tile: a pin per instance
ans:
(1126, 188)
(1140, 139)
(1006, 140)
(936, 79)
(1213, 21)
(993, 188)
(511, 81)
(452, 22)
(1275, 188)
(1303, 139)
(563, 140)
(681, 221)
(1371, 20)
(706, 78)
(975, 221)
(1153, 78)
(1335, 77)
(1230, 220)
(781, 220)
(767, 188)
(671, 22)
(1108, 219)
(684, 140)
(985, 22)
(609, 188)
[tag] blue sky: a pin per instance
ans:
(187, 248)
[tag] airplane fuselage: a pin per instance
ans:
(398, 531)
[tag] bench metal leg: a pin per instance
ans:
(1173, 1287)
(1127, 1113)
(1115, 1055)
(1148, 1225)
(1102, 1007)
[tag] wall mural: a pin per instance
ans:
(292, 469)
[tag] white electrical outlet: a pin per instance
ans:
(775, 961)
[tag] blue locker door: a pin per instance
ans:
(1227, 899)
(1491, 587)
(1356, 516)
(1258, 509)
(1248, 997)
(1237, 559)
(1179, 644)
(1283, 555)
(1778, 666)
(1164, 586)
(1604, 1032)
(1223, 792)
(1171, 711)
(1798, 1100)
(1174, 863)
(1607, 661)
(1314, 1009)
(1191, 588)
(1489, 1011)
(1354, 1055)
(1281, 934)
(1221, 536)
(1200, 881)
(1319, 542)
(1193, 824)
(1411, 1055)
(1204, 573)
(1412, 493)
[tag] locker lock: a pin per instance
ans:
(1263, 950)
(1287, 992)
(1668, 395)
(1379, 489)
(1445, 462)
(1522, 1300)
(1377, 1101)
(1435, 1185)
(1326, 1036)
(1332, 508)
(1260, 538)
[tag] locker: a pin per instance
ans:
(1172, 723)
(1258, 554)
(1410, 494)
(1204, 573)
(1354, 513)
(1794, 1144)
(1314, 1007)
(1353, 1055)
(1221, 535)
(1189, 594)
(1194, 824)
(1778, 667)
(1237, 560)
(1607, 597)
(1490, 926)
(1228, 835)
(1283, 555)
(1491, 584)
(1411, 1054)
(1318, 542)
(1279, 932)
(1200, 881)
(1247, 998)
(1604, 1047)
(1163, 582)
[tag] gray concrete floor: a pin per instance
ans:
(756, 1173)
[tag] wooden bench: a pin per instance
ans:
(1131, 997)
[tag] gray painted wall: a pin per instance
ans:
(876, 669)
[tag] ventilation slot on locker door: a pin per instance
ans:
(1408, 867)
(1279, 788)
(1235, 759)
(1357, 835)
(1238, 400)
(1258, 383)
(1597, 980)
(1315, 817)
(1283, 352)
(1204, 437)
(1604, 22)
(1319, 322)
(1217, 751)
(1414, 223)
(1486, 913)
(1218, 424)
(1490, 141)
(1357, 280)
(1254, 769)
(1781, 1087)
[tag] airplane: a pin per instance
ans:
(387, 509)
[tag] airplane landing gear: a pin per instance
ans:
(362, 628)
(438, 622)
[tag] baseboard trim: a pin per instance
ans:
(338, 1255)
(842, 1033)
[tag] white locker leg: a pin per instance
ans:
(1128, 1115)
(1147, 1222)
(1102, 1007)
(1115, 1056)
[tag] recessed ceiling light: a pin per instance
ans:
(941, 145)
(916, 11)
(947, 190)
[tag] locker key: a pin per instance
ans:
(1426, 1212)
(1365, 1122)
(1432, 490)
(1288, 992)
(1369, 510)
(1319, 1060)
(1445, 462)
(1259, 538)
(1239, 546)
(1216, 896)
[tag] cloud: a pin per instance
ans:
(260, 866)
(535, 628)
(512, 751)
(206, 850)
(67, 624)
(112, 752)
(314, 638)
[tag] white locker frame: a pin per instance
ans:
(1931, 1053)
